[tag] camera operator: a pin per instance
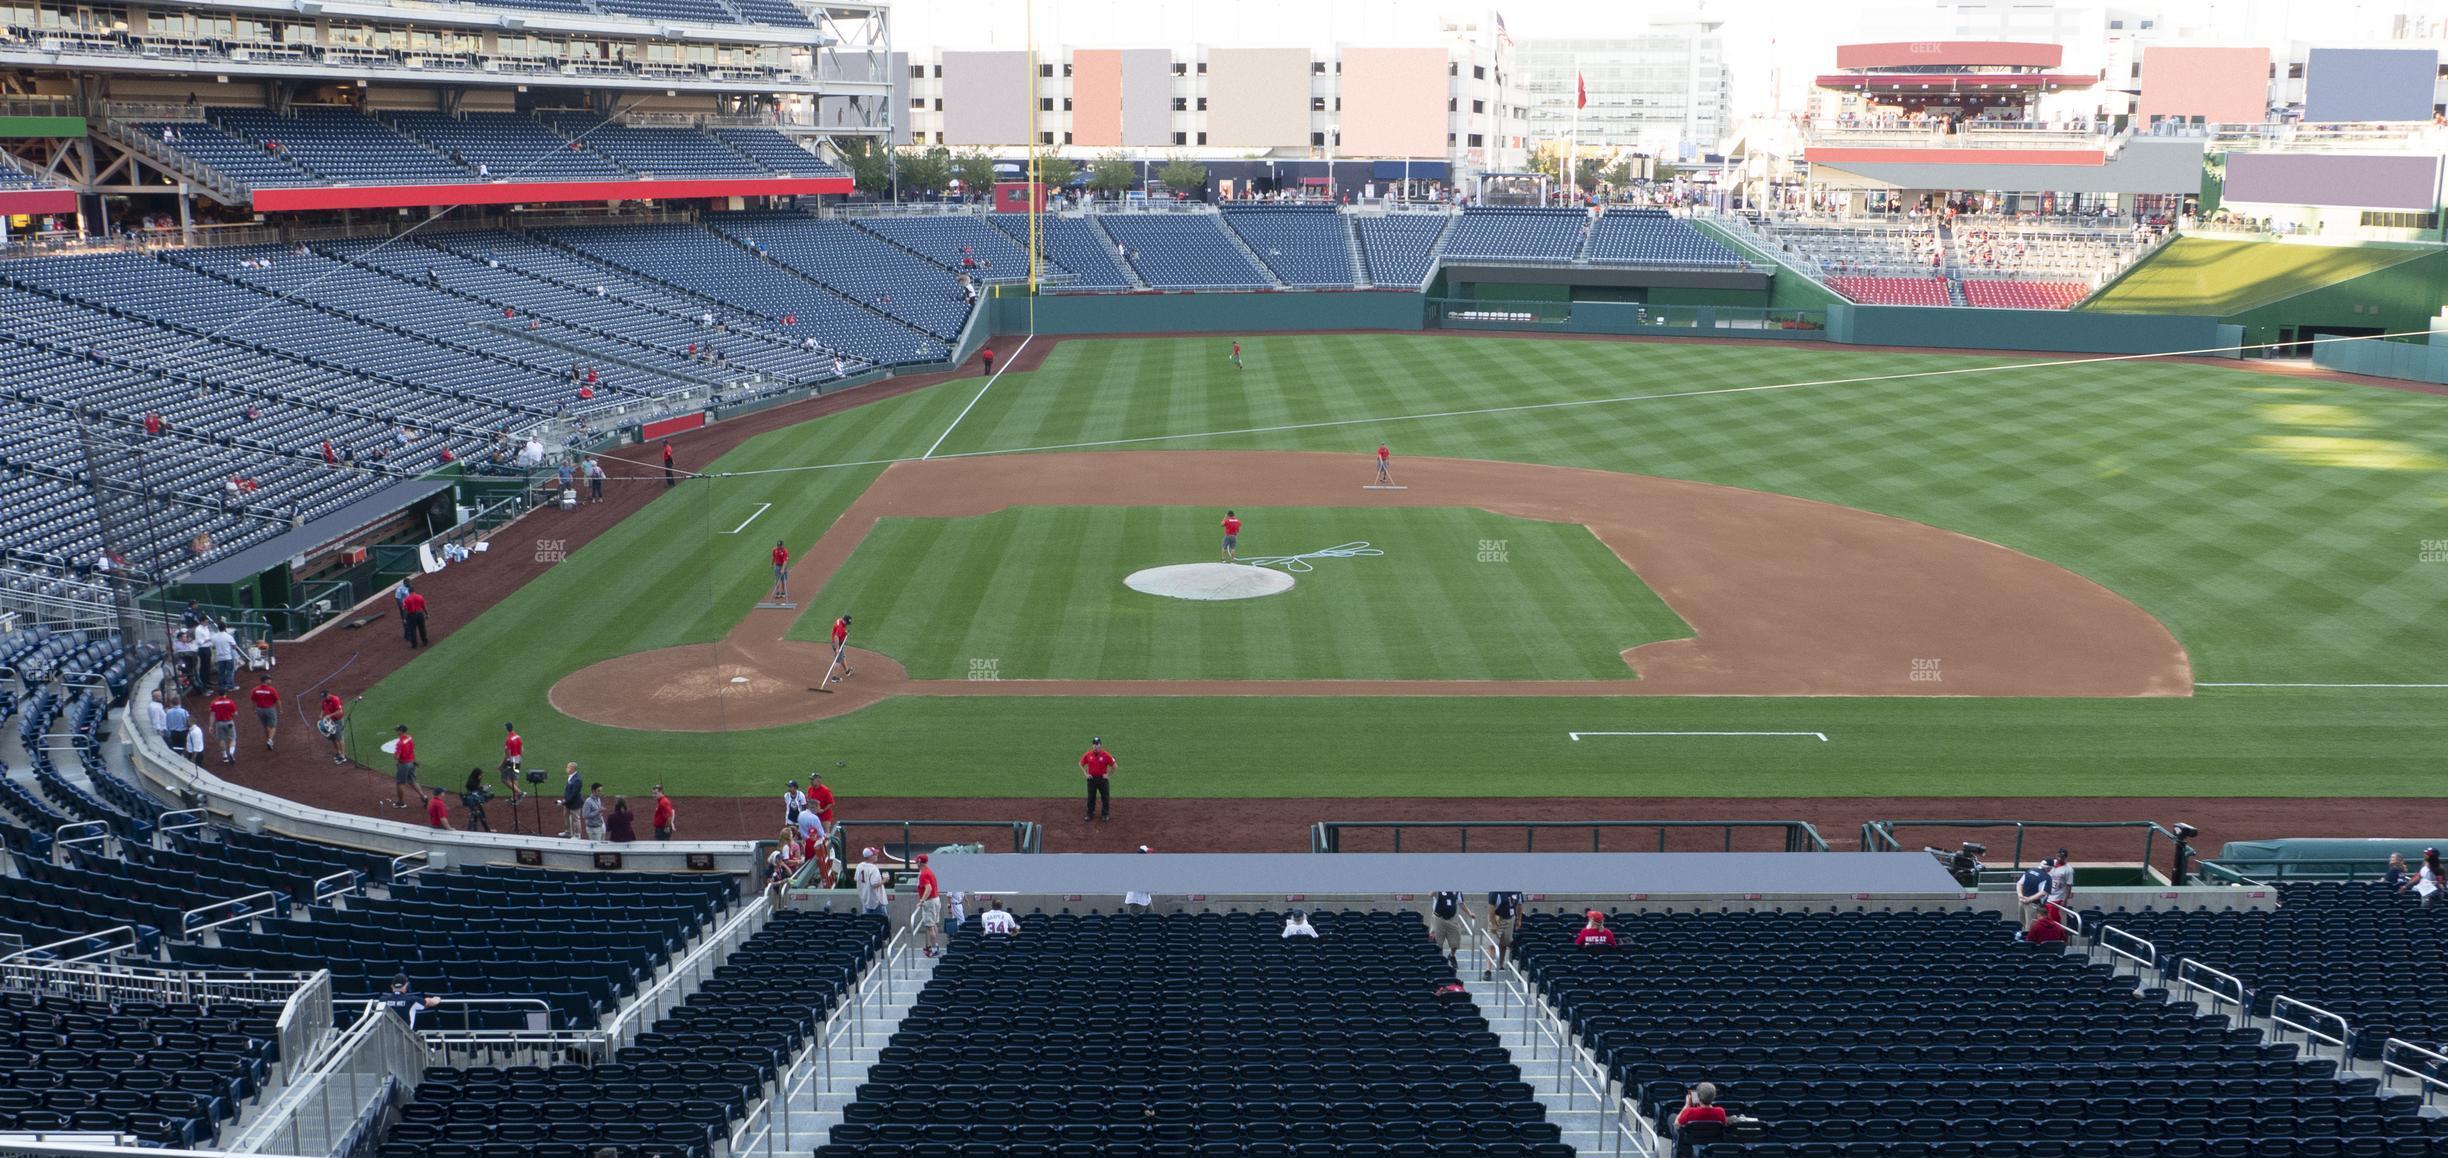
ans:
(472, 796)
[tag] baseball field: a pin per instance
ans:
(1617, 570)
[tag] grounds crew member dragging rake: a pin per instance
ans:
(841, 651)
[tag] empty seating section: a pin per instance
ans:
(170, 1074)
(1072, 244)
(963, 243)
(686, 1080)
(858, 265)
(579, 943)
(343, 145)
(701, 263)
(2334, 945)
(2025, 295)
(2063, 252)
(238, 158)
(1875, 250)
(779, 13)
(1517, 234)
(1203, 1033)
(776, 151)
(1304, 244)
(1935, 1035)
(661, 152)
(1655, 237)
(1183, 251)
(1892, 291)
(1400, 247)
(510, 147)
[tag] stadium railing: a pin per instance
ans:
(333, 1100)
(2426, 1072)
(2269, 872)
(1796, 835)
(844, 1029)
(1577, 1072)
(1024, 835)
(1880, 835)
(2287, 1013)
(2220, 987)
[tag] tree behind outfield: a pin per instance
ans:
(976, 172)
(1185, 177)
(1112, 175)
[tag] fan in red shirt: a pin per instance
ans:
(514, 757)
(1700, 1105)
(267, 707)
(820, 798)
(930, 904)
(1595, 933)
(665, 812)
(1098, 764)
(437, 811)
(1232, 534)
(335, 717)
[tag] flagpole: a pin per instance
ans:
(1572, 142)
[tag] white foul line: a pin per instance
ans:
(761, 509)
(990, 381)
(2204, 685)
(1577, 735)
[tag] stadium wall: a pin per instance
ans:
(2401, 298)
(2410, 361)
(1209, 313)
(1950, 328)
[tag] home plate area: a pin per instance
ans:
(1209, 581)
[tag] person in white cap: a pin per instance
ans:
(871, 893)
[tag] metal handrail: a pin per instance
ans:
(87, 939)
(1800, 835)
(848, 1019)
(1879, 835)
(440, 1038)
(2431, 1084)
(2188, 967)
(422, 859)
(2148, 958)
(188, 921)
(1570, 1054)
(60, 839)
(163, 824)
(350, 881)
(1646, 1138)
(2281, 1004)
(751, 917)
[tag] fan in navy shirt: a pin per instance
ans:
(2032, 890)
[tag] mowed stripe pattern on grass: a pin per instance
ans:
(2277, 526)
(1037, 593)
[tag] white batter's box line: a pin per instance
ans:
(1576, 736)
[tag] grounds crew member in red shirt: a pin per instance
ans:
(225, 724)
(403, 768)
(267, 707)
(412, 618)
(1384, 458)
(437, 810)
(781, 558)
(665, 813)
(1098, 764)
(669, 475)
(930, 904)
(1232, 534)
(841, 647)
(335, 718)
(988, 355)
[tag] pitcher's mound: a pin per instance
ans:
(1209, 581)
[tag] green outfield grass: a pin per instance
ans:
(1036, 592)
(2202, 275)
(2278, 527)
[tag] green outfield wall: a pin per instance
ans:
(2413, 361)
(1953, 328)
(1214, 313)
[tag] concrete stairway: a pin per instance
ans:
(1572, 1108)
(1265, 272)
(1106, 239)
(827, 1077)
(1359, 258)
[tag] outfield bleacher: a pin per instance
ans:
(1531, 235)
(1654, 237)
(949, 240)
(855, 264)
(1400, 248)
(1072, 245)
(1305, 245)
(1183, 251)
(1892, 291)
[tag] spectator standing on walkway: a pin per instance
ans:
(1445, 914)
(620, 826)
(820, 798)
(666, 815)
(591, 813)
(573, 799)
(174, 726)
(2031, 891)
(195, 742)
(2061, 880)
(873, 896)
(930, 904)
(225, 658)
(595, 477)
(792, 801)
(157, 717)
